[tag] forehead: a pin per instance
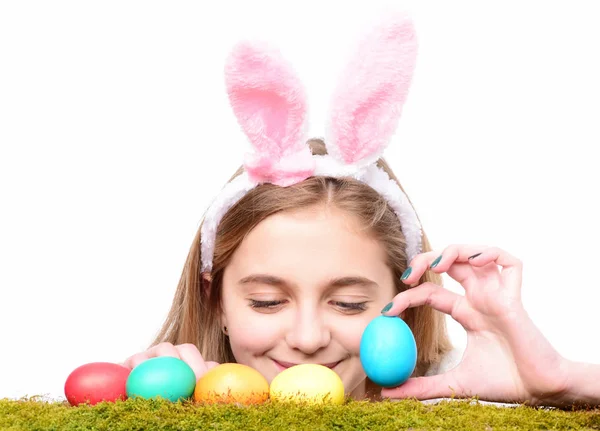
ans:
(310, 246)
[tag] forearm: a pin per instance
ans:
(559, 382)
(584, 385)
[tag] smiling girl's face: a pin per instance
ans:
(301, 288)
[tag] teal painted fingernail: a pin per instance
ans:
(387, 307)
(406, 273)
(435, 262)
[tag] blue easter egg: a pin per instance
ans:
(388, 351)
(166, 377)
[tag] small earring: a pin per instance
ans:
(225, 330)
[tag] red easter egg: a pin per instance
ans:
(95, 382)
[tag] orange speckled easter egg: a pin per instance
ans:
(232, 383)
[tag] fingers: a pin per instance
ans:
(497, 255)
(468, 264)
(211, 364)
(486, 261)
(134, 360)
(512, 268)
(425, 388)
(161, 349)
(190, 354)
(425, 294)
(443, 261)
(476, 256)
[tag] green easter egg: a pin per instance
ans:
(165, 376)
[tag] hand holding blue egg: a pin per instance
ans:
(388, 351)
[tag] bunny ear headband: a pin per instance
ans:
(270, 105)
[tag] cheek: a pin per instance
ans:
(252, 334)
(349, 329)
(348, 332)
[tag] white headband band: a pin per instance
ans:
(268, 101)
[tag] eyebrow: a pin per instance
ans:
(280, 282)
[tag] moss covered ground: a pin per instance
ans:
(33, 414)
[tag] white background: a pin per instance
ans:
(115, 134)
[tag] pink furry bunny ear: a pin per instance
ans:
(270, 105)
(368, 101)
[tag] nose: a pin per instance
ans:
(308, 333)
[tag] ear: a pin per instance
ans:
(367, 103)
(270, 105)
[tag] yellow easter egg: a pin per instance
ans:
(312, 383)
(232, 383)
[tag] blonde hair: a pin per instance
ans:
(194, 316)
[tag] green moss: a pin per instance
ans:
(138, 414)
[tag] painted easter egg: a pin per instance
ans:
(311, 383)
(232, 383)
(388, 351)
(95, 382)
(162, 377)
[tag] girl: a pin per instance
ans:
(307, 243)
(298, 272)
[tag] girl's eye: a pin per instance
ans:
(265, 304)
(351, 306)
(348, 307)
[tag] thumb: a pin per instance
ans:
(424, 388)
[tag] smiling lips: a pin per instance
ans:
(286, 365)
